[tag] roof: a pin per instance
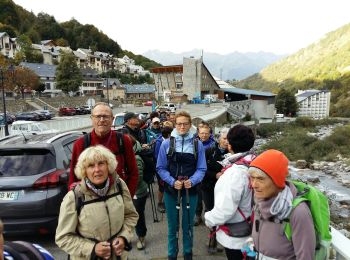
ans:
(144, 88)
(3, 34)
(111, 82)
(42, 70)
(307, 93)
(243, 91)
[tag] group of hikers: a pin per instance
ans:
(247, 198)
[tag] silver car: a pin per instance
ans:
(33, 180)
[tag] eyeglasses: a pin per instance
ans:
(101, 117)
(183, 124)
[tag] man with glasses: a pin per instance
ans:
(182, 170)
(102, 117)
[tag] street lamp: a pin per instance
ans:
(107, 92)
(10, 69)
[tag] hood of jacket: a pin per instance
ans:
(137, 147)
(183, 143)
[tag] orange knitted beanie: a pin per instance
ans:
(275, 164)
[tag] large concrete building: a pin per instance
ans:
(241, 102)
(189, 81)
(313, 103)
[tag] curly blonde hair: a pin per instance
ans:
(94, 154)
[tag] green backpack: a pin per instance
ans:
(318, 205)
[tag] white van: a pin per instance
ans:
(279, 116)
(118, 121)
(29, 127)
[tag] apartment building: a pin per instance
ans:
(313, 103)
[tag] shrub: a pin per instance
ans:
(304, 121)
(268, 130)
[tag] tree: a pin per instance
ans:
(25, 79)
(68, 75)
(286, 103)
(27, 53)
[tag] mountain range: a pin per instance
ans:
(325, 64)
(235, 65)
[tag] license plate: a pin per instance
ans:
(8, 195)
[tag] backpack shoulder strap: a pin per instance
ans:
(195, 149)
(79, 199)
(171, 150)
(87, 140)
(120, 141)
(119, 187)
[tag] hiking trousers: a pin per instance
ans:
(171, 211)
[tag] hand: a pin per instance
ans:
(187, 184)
(144, 146)
(218, 175)
(178, 185)
(103, 249)
(118, 246)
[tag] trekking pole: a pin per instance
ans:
(153, 203)
(188, 214)
(178, 220)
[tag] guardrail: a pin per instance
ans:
(61, 124)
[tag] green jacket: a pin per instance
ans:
(97, 221)
(141, 185)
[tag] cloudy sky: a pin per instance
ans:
(221, 26)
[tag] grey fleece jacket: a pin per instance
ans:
(269, 237)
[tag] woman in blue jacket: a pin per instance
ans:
(182, 168)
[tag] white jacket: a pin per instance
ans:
(231, 191)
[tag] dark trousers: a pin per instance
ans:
(208, 198)
(233, 254)
(199, 208)
(140, 204)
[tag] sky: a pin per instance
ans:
(221, 26)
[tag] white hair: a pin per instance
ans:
(223, 132)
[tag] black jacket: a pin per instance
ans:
(212, 155)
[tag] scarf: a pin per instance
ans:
(282, 205)
(230, 158)
(98, 191)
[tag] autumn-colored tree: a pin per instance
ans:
(24, 79)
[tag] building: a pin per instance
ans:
(8, 46)
(189, 81)
(92, 83)
(115, 89)
(258, 104)
(313, 103)
(142, 92)
(47, 75)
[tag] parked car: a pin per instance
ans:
(118, 121)
(66, 111)
(167, 107)
(28, 127)
(148, 103)
(46, 113)
(28, 116)
(10, 117)
(34, 174)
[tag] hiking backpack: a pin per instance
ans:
(120, 141)
(80, 199)
(149, 169)
(319, 208)
(21, 250)
(172, 150)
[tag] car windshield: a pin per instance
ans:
(119, 120)
(25, 162)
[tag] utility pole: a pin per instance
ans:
(107, 92)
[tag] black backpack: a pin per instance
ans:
(120, 141)
(80, 199)
(149, 169)
(172, 150)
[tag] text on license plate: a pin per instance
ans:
(8, 195)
